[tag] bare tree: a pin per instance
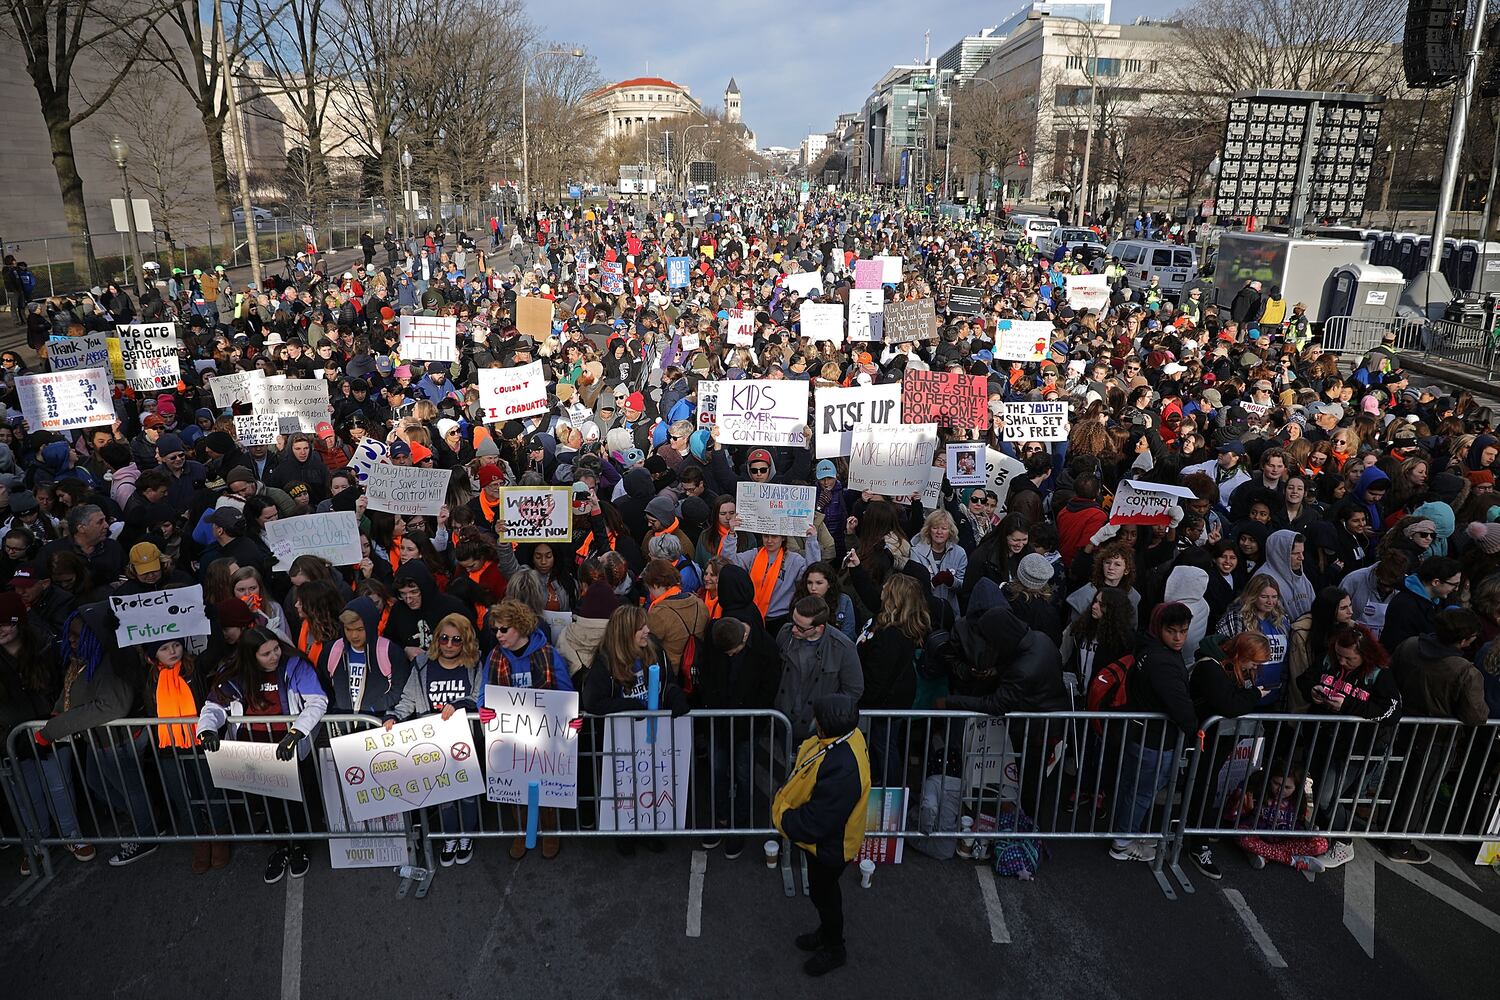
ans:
(993, 126)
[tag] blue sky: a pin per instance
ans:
(797, 67)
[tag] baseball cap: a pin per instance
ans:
(325, 429)
(230, 519)
(400, 449)
(825, 470)
(28, 573)
(233, 613)
(1236, 447)
(759, 455)
(1326, 409)
(22, 502)
(152, 421)
(145, 557)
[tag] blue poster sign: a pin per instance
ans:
(677, 272)
(575, 192)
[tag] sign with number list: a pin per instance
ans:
(66, 400)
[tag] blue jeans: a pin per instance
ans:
(49, 792)
(116, 773)
(459, 818)
(185, 777)
(1144, 771)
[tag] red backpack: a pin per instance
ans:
(1107, 688)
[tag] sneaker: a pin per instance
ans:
(1203, 860)
(465, 852)
(130, 852)
(825, 961)
(447, 853)
(276, 866)
(1133, 850)
(711, 841)
(1406, 852)
(1338, 853)
(733, 847)
(1255, 860)
(297, 860)
(810, 941)
(83, 852)
(1310, 867)
(25, 865)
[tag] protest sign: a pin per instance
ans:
(240, 387)
(334, 536)
(1023, 340)
(910, 322)
(424, 762)
(740, 327)
(823, 321)
(1140, 502)
(999, 470)
(1088, 291)
(804, 283)
(534, 317)
(950, 399)
(536, 514)
(159, 615)
(990, 761)
(89, 351)
(885, 821)
(510, 393)
(708, 403)
(932, 496)
(691, 341)
(256, 428)
(890, 265)
(863, 305)
(677, 271)
(645, 783)
(408, 490)
(116, 358)
(893, 461)
(429, 338)
(839, 411)
(66, 400)
(302, 403)
(869, 273)
(148, 352)
(965, 463)
(375, 843)
(964, 301)
(611, 277)
(528, 740)
(1041, 421)
(250, 766)
(774, 509)
(763, 411)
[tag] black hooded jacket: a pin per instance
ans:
(408, 628)
(747, 679)
(1026, 664)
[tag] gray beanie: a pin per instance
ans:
(662, 508)
(1035, 572)
(487, 448)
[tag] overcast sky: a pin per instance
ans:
(794, 78)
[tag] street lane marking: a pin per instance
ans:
(1451, 867)
(1446, 893)
(999, 932)
(1359, 896)
(1252, 924)
(291, 942)
(699, 868)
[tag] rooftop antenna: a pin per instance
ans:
(926, 44)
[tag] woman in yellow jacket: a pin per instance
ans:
(822, 809)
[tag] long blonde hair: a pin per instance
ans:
(618, 643)
(469, 651)
(903, 607)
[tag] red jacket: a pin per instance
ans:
(1076, 524)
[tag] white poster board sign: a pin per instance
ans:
(823, 321)
(535, 514)
(159, 615)
(1140, 502)
(775, 509)
(1088, 291)
(965, 463)
(804, 283)
(763, 411)
(67, 400)
(645, 784)
(67, 353)
(1036, 421)
(739, 327)
(149, 353)
(240, 387)
(256, 428)
(429, 338)
(890, 268)
(424, 762)
(864, 303)
(375, 843)
(839, 411)
(1023, 340)
(334, 536)
(892, 461)
(529, 739)
(1000, 469)
(408, 490)
(511, 393)
(248, 766)
(302, 403)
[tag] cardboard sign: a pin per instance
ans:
(67, 353)
(950, 399)
(708, 403)
(1000, 469)
(1140, 502)
(910, 322)
(334, 536)
(377, 843)
(678, 271)
(892, 461)
(529, 739)
(534, 317)
(1088, 291)
(248, 766)
(823, 321)
(869, 273)
(511, 393)
(240, 387)
(965, 301)
(536, 514)
(1023, 340)
(424, 762)
(148, 352)
(774, 509)
(645, 784)
(763, 411)
(965, 463)
(256, 429)
(408, 490)
(866, 305)
(890, 265)
(429, 338)
(302, 403)
(67, 400)
(159, 615)
(739, 328)
(1043, 421)
(839, 411)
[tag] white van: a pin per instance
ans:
(1030, 226)
(1172, 265)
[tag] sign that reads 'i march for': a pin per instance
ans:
(910, 322)
(775, 509)
(89, 351)
(1036, 421)
(950, 399)
(158, 615)
(530, 739)
(408, 490)
(66, 400)
(535, 514)
(839, 411)
(511, 393)
(763, 411)
(148, 352)
(424, 762)
(429, 338)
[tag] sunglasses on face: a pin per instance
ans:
(450, 640)
(759, 470)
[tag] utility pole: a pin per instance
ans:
(238, 138)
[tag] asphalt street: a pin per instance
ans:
(594, 924)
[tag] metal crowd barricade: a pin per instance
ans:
(1416, 778)
(1356, 337)
(115, 784)
(1466, 345)
(643, 774)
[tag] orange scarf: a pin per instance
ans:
(765, 578)
(174, 699)
(488, 506)
(669, 592)
(587, 544)
(670, 529)
(712, 601)
(395, 557)
(314, 650)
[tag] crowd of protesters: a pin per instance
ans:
(1339, 555)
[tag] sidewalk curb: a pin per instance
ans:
(1452, 373)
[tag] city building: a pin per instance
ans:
(812, 148)
(896, 116)
(732, 113)
(634, 105)
(968, 54)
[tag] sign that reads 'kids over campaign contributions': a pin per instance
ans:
(763, 411)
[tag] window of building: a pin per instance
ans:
(1075, 62)
(1134, 65)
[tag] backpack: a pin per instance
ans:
(1018, 858)
(1107, 691)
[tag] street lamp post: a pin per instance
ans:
(525, 147)
(1092, 74)
(406, 187)
(683, 172)
(121, 152)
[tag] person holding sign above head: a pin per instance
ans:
(268, 677)
(774, 570)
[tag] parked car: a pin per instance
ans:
(258, 214)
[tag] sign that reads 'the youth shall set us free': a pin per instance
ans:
(511, 393)
(159, 615)
(769, 412)
(1046, 420)
(536, 514)
(530, 739)
(424, 762)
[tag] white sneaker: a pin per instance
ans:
(1309, 867)
(1338, 853)
(1133, 850)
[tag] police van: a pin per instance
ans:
(1172, 264)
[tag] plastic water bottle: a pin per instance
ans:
(965, 841)
(414, 872)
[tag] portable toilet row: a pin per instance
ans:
(1467, 264)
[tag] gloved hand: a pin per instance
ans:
(287, 748)
(209, 740)
(486, 715)
(1105, 533)
(942, 578)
